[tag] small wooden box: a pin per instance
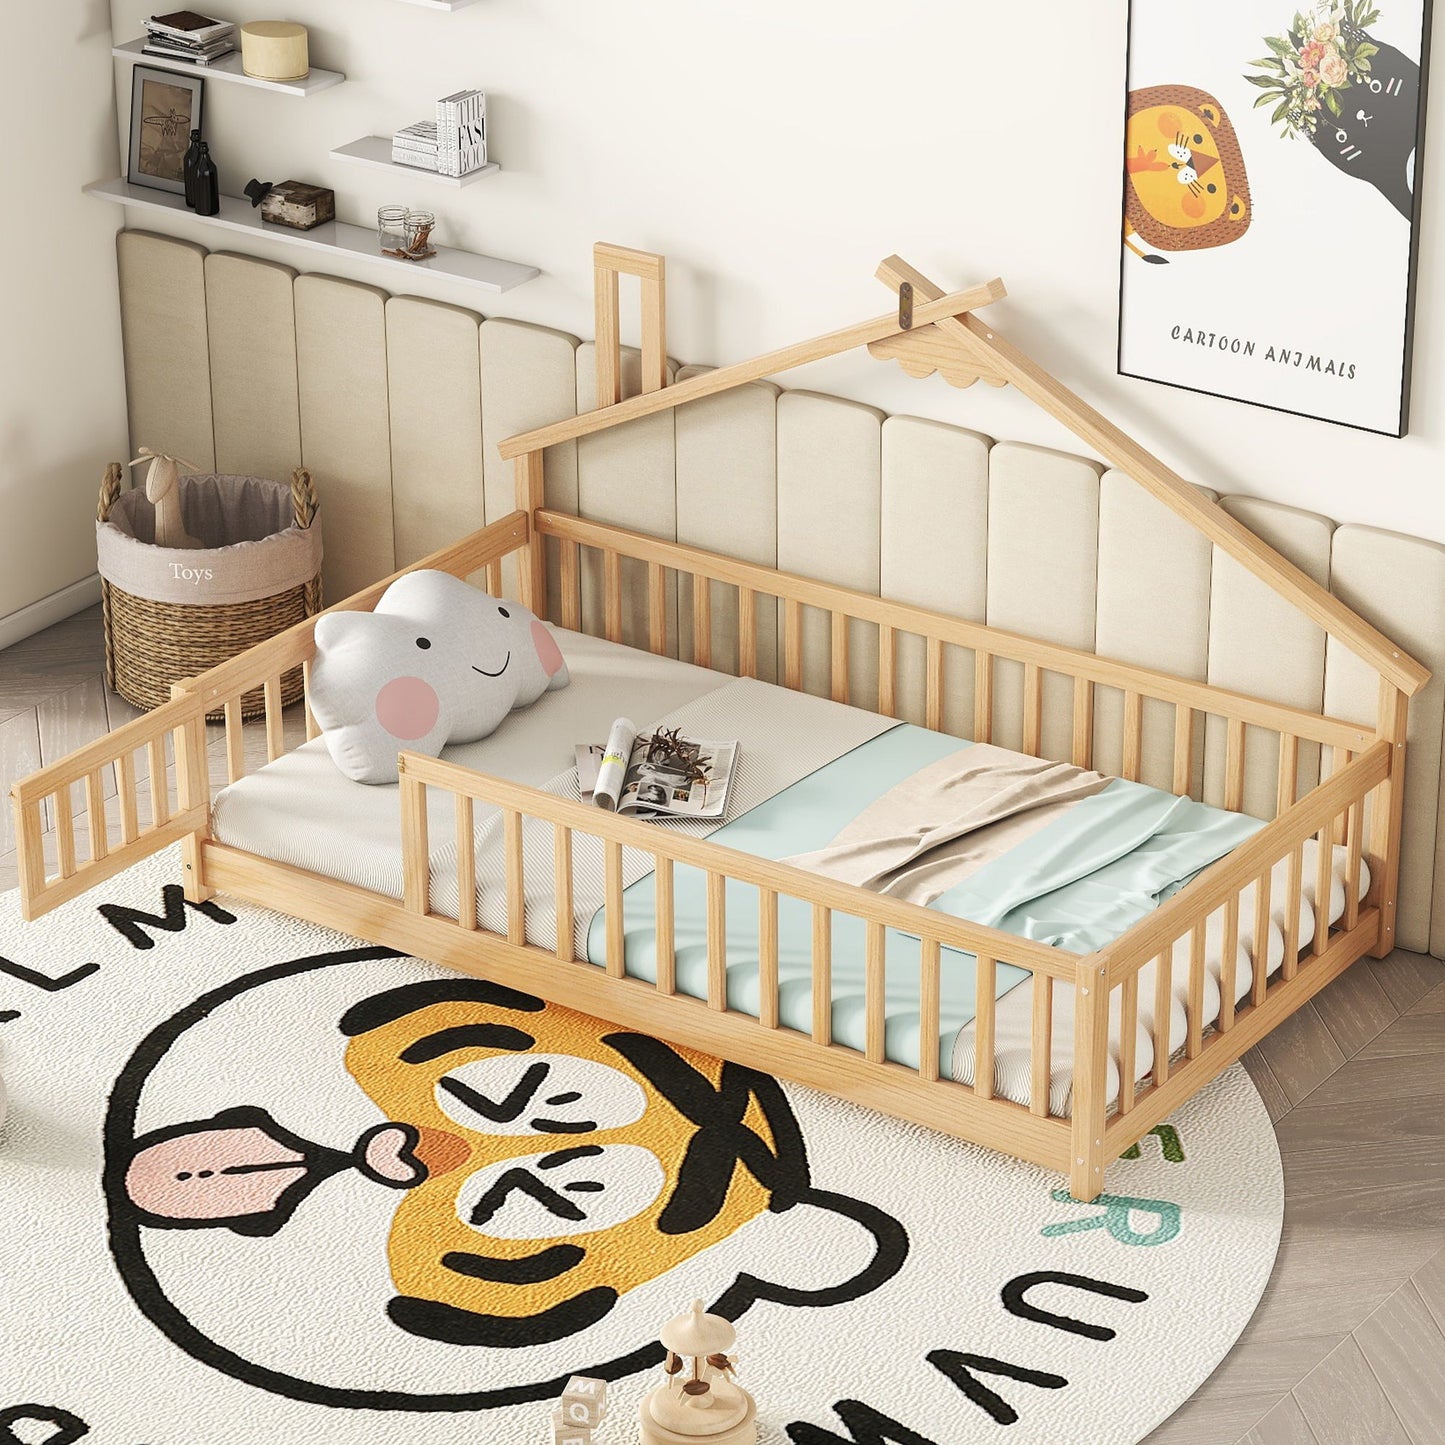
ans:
(298, 205)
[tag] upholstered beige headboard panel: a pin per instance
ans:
(397, 405)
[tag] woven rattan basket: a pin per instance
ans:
(260, 535)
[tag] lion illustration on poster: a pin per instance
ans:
(1185, 184)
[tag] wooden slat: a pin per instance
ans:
(616, 932)
(125, 796)
(466, 861)
(717, 942)
(1128, 1041)
(65, 833)
(982, 697)
(1324, 886)
(275, 738)
(1387, 816)
(607, 319)
(516, 878)
(529, 490)
(1354, 848)
(1229, 964)
(160, 791)
(1033, 709)
(235, 741)
(1194, 1040)
(1287, 784)
(562, 892)
(95, 815)
(767, 958)
(1183, 781)
(493, 575)
(928, 1009)
(838, 657)
(702, 621)
(416, 850)
(725, 378)
(1041, 1046)
(747, 632)
(1262, 928)
(656, 609)
(612, 595)
(1234, 765)
(1083, 742)
(792, 644)
(1293, 893)
(933, 705)
(875, 985)
(887, 671)
(1163, 1009)
(313, 728)
(1133, 736)
(571, 587)
(822, 974)
(985, 989)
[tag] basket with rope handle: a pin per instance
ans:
(169, 614)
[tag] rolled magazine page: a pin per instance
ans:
(613, 772)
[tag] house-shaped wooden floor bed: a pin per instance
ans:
(634, 583)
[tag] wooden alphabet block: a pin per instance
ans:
(584, 1401)
(568, 1434)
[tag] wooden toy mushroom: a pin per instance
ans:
(163, 493)
(700, 1400)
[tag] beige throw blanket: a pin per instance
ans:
(946, 821)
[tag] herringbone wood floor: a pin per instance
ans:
(1348, 1344)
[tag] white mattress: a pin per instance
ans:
(301, 810)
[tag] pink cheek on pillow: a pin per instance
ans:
(407, 708)
(548, 652)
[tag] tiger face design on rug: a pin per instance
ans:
(1186, 188)
(464, 1184)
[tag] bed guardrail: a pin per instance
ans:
(80, 821)
(710, 1024)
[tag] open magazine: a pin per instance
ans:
(659, 774)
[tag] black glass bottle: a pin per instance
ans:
(208, 184)
(188, 168)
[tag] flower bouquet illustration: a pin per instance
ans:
(1353, 97)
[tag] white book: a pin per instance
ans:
(462, 132)
(419, 160)
(641, 776)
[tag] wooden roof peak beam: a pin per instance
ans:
(834, 343)
(984, 348)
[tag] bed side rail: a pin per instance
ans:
(102, 820)
(570, 823)
(1236, 897)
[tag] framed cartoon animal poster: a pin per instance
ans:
(1271, 211)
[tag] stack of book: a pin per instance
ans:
(462, 133)
(454, 144)
(416, 145)
(186, 35)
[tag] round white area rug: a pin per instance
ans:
(262, 1183)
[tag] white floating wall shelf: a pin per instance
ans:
(229, 69)
(336, 238)
(375, 150)
(442, 4)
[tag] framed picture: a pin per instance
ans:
(1271, 206)
(164, 110)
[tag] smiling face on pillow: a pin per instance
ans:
(437, 662)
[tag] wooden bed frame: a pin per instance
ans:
(1357, 803)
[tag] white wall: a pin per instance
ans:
(776, 150)
(62, 394)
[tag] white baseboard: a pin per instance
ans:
(49, 610)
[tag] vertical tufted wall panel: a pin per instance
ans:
(1043, 566)
(251, 324)
(934, 553)
(166, 349)
(830, 459)
(345, 427)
